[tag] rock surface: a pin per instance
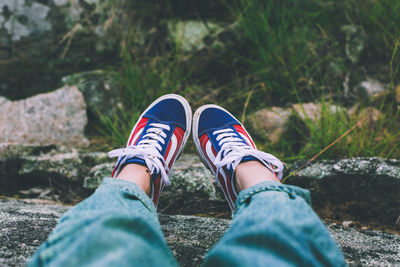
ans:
(188, 174)
(194, 34)
(53, 118)
(40, 41)
(58, 169)
(312, 111)
(371, 88)
(275, 122)
(192, 189)
(365, 188)
(98, 88)
(270, 122)
(24, 225)
(23, 228)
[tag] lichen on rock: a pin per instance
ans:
(24, 18)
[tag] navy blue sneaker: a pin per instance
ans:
(156, 140)
(223, 143)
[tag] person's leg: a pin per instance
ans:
(118, 224)
(273, 224)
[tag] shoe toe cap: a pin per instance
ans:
(215, 118)
(168, 110)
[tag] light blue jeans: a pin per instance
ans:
(274, 225)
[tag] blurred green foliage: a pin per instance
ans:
(284, 52)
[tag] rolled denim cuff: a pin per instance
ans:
(130, 190)
(291, 190)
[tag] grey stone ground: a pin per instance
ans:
(25, 224)
(363, 187)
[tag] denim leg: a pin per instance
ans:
(117, 225)
(274, 225)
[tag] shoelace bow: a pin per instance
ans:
(148, 149)
(233, 150)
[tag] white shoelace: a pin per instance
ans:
(233, 150)
(148, 149)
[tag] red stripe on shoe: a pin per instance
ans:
(224, 188)
(113, 172)
(241, 130)
(225, 185)
(140, 126)
(203, 141)
(179, 134)
(213, 150)
(168, 149)
(203, 144)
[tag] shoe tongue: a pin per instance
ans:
(136, 160)
(248, 158)
(141, 161)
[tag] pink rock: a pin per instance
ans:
(58, 117)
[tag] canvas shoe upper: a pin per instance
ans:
(156, 140)
(223, 143)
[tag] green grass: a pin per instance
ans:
(282, 41)
(141, 81)
(297, 48)
(368, 132)
(288, 51)
(296, 52)
(373, 133)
